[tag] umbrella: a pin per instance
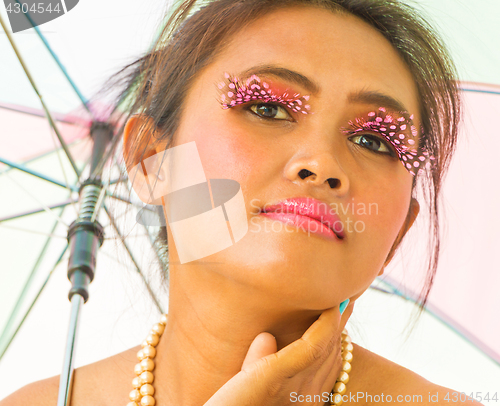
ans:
(120, 298)
(52, 149)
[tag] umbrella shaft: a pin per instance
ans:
(66, 379)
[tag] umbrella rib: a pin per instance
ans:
(44, 206)
(25, 169)
(4, 347)
(58, 62)
(450, 323)
(57, 152)
(35, 211)
(35, 113)
(26, 230)
(123, 199)
(138, 269)
(35, 88)
(151, 239)
(41, 155)
(480, 91)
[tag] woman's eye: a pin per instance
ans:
(373, 143)
(271, 111)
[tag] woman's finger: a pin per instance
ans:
(264, 344)
(314, 346)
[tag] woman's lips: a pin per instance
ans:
(308, 214)
(305, 223)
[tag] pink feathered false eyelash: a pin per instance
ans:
(234, 91)
(399, 132)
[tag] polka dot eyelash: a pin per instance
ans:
(234, 91)
(400, 133)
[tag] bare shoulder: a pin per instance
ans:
(387, 381)
(40, 393)
(105, 382)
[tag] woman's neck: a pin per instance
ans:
(210, 328)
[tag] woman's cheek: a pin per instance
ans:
(230, 155)
(391, 219)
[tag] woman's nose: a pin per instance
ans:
(318, 169)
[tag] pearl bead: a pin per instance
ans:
(152, 339)
(339, 388)
(137, 382)
(343, 377)
(132, 404)
(347, 347)
(344, 331)
(346, 366)
(149, 351)
(148, 401)
(138, 369)
(337, 399)
(347, 339)
(347, 356)
(147, 389)
(163, 319)
(140, 355)
(147, 377)
(158, 328)
(147, 364)
(134, 395)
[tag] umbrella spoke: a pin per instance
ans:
(35, 88)
(37, 113)
(58, 62)
(57, 152)
(44, 206)
(27, 230)
(123, 199)
(25, 169)
(151, 239)
(129, 252)
(35, 211)
(7, 339)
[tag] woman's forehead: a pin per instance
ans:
(340, 54)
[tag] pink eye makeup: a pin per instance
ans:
(398, 129)
(234, 91)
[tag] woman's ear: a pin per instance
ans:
(138, 139)
(140, 145)
(410, 219)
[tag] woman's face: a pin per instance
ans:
(371, 191)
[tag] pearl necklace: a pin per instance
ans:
(142, 394)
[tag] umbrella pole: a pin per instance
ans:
(66, 380)
(85, 236)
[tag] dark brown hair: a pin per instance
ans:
(157, 83)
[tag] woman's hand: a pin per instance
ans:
(308, 366)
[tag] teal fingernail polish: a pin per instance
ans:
(343, 305)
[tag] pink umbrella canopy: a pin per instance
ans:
(464, 291)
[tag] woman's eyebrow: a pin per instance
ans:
(376, 98)
(283, 73)
(361, 96)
